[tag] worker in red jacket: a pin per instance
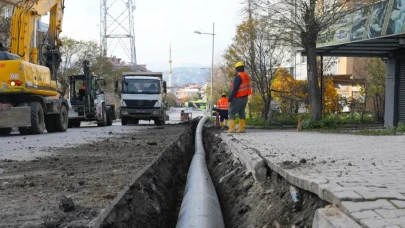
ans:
(222, 107)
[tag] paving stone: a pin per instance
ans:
(350, 207)
(355, 188)
(380, 223)
(366, 215)
(373, 195)
(332, 217)
(399, 203)
(390, 213)
(347, 195)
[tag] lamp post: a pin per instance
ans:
(212, 62)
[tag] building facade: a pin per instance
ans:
(119, 64)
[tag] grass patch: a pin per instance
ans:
(401, 127)
(387, 131)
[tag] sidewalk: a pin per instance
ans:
(363, 175)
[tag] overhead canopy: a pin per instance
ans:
(375, 30)
(380, 47)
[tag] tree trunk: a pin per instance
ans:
(250, 110)
(364, 108)
(314, 91)
(266, 102)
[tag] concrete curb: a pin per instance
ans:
(247, 156)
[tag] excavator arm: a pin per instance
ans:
(23, 31)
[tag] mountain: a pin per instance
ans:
(187, 75)
(159, 66)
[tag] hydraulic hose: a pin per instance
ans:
(200, 207)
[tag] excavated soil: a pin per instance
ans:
(122, 181)
(246, 203)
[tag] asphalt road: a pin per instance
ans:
(18, 147)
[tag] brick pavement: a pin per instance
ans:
(363, 175)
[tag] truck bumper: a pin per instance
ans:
(15, 117)
(141, 113)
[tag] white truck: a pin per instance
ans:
(142, 97)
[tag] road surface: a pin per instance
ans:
(37, 171)
(19, 147)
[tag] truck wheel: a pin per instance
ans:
(109, 119)
(24, 130)
(50, 123)
(158, 122)
(124, 121)
(37, 119)
(77, 123)
(62, 120)
(135, 121)
(104, 116)
(5, 131)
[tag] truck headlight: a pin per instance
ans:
(158, 104)
(123, 104)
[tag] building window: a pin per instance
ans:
(7, 12)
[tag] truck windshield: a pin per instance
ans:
(141, 86)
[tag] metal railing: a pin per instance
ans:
(200, 207)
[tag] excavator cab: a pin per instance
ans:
(87, 100)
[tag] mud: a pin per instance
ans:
(96, 176)
(246, 203)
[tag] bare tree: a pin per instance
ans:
(262, 53)
(4, 24)
(301, 22)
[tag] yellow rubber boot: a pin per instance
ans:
(226, 123)
(242, 124)
(222, 125)
(232, 126)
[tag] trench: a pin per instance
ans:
(249, 203)
(154, 197)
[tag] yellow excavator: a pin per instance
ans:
(29, 98)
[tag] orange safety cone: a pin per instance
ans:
(299, 123)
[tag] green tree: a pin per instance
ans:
(4, 26)
(196, 96)
(170, 100)
(376, 86)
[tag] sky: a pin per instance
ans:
(160, 22)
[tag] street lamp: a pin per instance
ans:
(212, 61)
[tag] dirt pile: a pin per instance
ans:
(246, 203)
(33, 193)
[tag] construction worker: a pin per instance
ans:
(238, 99)
(84, 86)
(222, 107)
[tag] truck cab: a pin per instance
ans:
(142, 97)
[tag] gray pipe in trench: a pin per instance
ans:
(200, 207)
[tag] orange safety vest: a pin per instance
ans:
(223, 103)
(244, 88)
